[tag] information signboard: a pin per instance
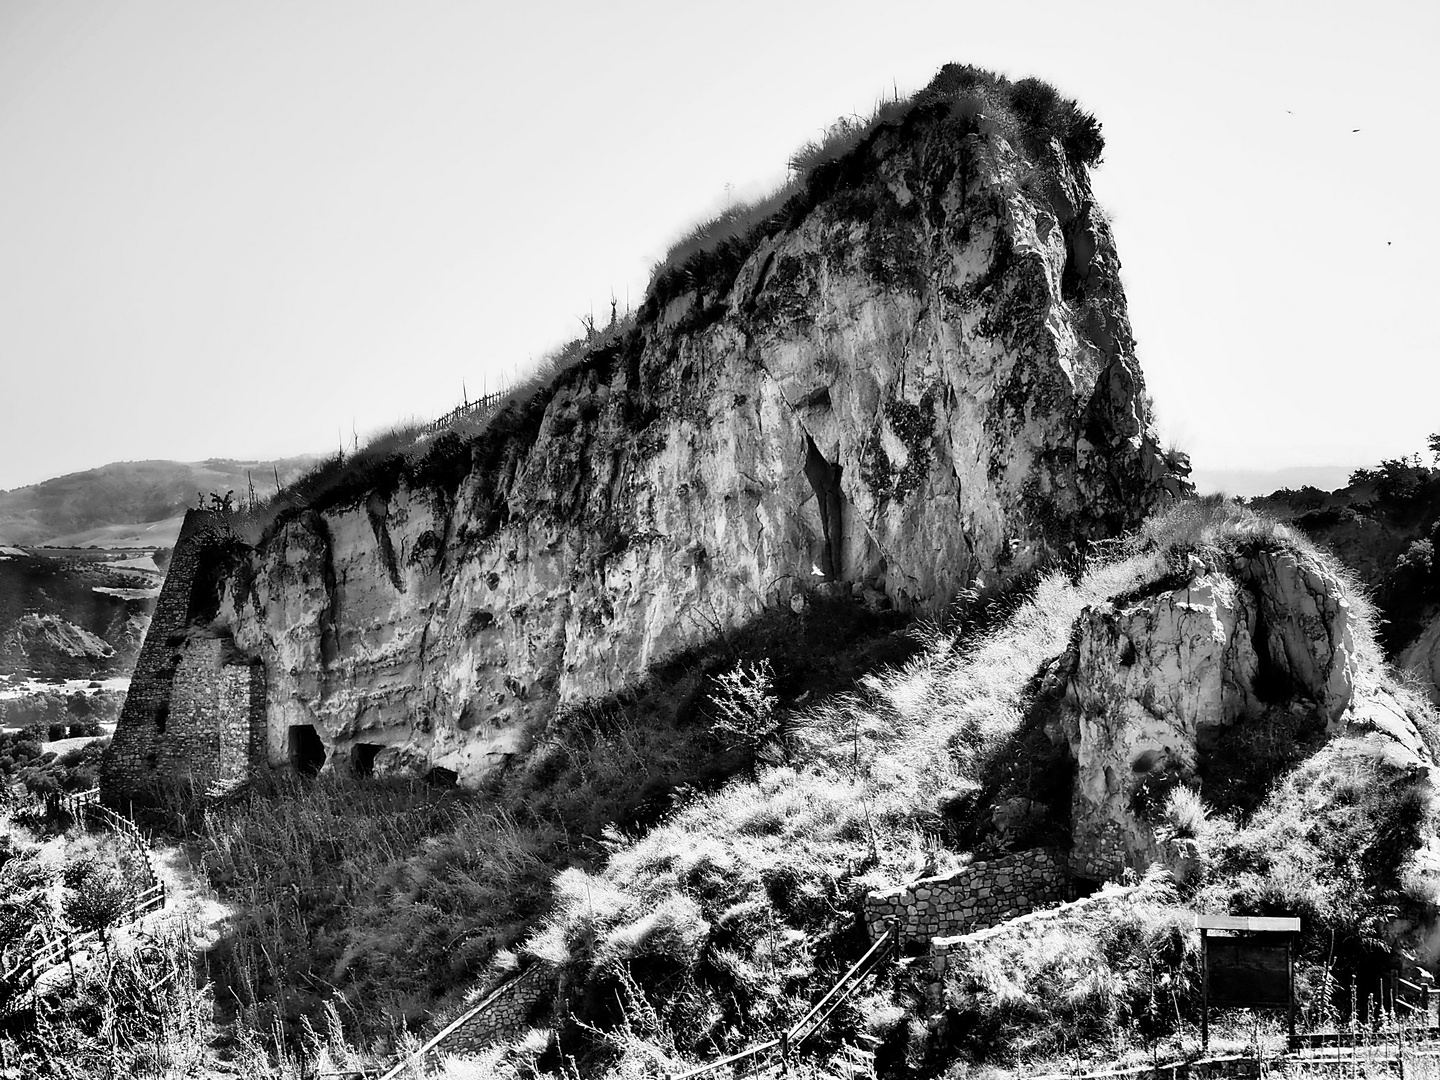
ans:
(1249, 972)
(1248, 963)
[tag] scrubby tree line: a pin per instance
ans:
(1407, 492)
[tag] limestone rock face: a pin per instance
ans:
(925, 379)
(1152, 680)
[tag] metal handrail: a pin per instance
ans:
(448, 1029)
(875, 953)
(817, 1014)
(749, 1052)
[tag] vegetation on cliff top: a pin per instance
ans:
(1028, 113)
(1386, 524)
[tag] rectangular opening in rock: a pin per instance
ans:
(362, 758)
(307, 750)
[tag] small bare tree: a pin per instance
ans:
(743, 709)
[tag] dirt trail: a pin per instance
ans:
(187, 896)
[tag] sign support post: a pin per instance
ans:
(1247, 961)
(1205, 989)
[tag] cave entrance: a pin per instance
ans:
(443, 777)
(307, 750)
(824, 477)
(362, 758)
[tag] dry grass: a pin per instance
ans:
(395, 891)
(773, 866)
(717, 923)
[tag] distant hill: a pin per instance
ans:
(1249, 483)
(128, 503)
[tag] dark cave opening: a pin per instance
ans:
(362, 758)
(307, 750)
(824, 478)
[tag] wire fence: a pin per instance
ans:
(471, 410)
(27, 971)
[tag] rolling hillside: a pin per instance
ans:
(128, 503)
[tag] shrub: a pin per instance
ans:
(742, 708)
(96, 892)
(1185, 814)
(1130, 956)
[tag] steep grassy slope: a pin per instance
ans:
(691, 921)
(732, 912)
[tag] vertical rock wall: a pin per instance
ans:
(1152, 681)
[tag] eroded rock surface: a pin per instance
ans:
(1152, 680)
(925, 380)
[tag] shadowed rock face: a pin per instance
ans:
(926, 380)
(1422, 657)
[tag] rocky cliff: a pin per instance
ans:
(1223, 675)
(916, 376)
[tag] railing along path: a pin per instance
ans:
(484, 404)
(791, 1039)
(26, 972)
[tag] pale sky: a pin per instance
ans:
(236, 229)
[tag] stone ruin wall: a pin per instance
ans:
(946, 951)
(506, 1015)
(195, 710)
(979, 895)
(1098, 851)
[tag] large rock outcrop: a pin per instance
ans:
(1266, 639)
(925, 376)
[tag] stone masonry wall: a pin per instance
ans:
(208, 729)
(980, 895)
(195, 709)
(1099, 852)
(947, 951)
(505, 1015)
